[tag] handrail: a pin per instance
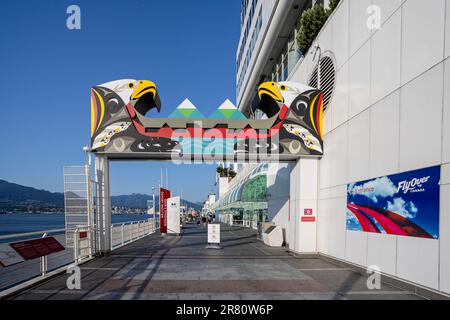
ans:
(52, 231)
(35, 233)
(78, 256)
(136, 230)
(82, 251)
(130, 222)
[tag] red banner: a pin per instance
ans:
(164, 194)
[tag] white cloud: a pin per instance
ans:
(375, 189)
(351, 218)
(403, 208)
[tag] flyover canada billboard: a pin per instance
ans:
(405, 204)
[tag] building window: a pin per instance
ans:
(246, 29)
(248, 56)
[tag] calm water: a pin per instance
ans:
(28, 222)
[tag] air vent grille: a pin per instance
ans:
(323, 77)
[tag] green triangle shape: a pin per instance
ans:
(186, 112)
(238, 116)
(228, 113)
(217, 115)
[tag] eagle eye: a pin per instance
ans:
(131, 85)
(283, 88)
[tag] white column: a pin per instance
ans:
(104, 203)
(304, 198)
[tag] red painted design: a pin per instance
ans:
(391, 222)
(366, 224)
(389, 226)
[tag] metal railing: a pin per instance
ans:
(128, 232)
(27, 272)
(33, 235)
(82, 244)
(77, 199)
(250, 223)
(22, 274)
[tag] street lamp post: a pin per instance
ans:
(154, 204)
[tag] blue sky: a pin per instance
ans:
(187, 47)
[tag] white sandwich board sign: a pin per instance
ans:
(173, 215)
(213, 233)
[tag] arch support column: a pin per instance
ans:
(303, 206)
(103, 205)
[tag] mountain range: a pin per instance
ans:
(15, 197)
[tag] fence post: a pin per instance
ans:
(123, 226)
(90, 241)
(44, 261)
(136, 223)
(43, 265)
(111, 235)
(75, 246)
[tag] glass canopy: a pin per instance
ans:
(247, 200)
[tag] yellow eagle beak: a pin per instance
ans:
(143, 87)
(270, 89)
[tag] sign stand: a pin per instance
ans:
(213, 237)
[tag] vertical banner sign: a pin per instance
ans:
(164, 194)
(405, 204)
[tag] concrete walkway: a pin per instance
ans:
(181, 268)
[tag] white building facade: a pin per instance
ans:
(389, 113)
